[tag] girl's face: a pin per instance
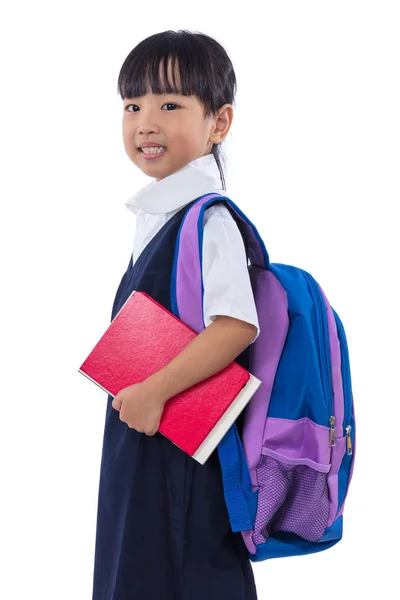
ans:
(174, 121)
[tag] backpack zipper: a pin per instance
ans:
(332, 434)
(325, 363)
(348, 441)
(348, 416)
(347, 394)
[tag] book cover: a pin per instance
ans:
(142, 338)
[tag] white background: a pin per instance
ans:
(313, 161)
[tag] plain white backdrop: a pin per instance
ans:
(313, 161)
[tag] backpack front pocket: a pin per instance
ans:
(293, 490)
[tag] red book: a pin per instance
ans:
(142, 338)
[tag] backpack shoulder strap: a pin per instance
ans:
(187, 304)
(186, 281)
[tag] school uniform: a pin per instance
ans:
(163, 530)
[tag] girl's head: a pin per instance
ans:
(177, 89)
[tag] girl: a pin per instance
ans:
(163, 530)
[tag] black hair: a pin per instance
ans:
(205, 69)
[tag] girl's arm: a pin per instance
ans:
(212, 350)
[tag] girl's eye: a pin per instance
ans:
(166, 104)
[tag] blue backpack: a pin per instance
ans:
(286, 479)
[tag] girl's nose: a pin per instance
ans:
(147, 123)
(146, 129)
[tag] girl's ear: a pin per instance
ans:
(222, 124)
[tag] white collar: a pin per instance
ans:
(199, 177)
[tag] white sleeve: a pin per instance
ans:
(226, 280)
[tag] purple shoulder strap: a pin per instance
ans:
(188, 253)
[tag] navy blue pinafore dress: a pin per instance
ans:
(163, 530)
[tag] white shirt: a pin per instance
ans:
(226, 280)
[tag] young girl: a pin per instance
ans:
(163, 530)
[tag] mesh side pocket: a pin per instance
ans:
(292, 498)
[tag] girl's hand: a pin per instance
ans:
(140, 406)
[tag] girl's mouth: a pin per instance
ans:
(153, 154)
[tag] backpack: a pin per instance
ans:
(286, 479)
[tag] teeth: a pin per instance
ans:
(153, 150)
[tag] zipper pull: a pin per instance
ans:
(332, 435)
(349, 446)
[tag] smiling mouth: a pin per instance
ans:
(157, 150)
